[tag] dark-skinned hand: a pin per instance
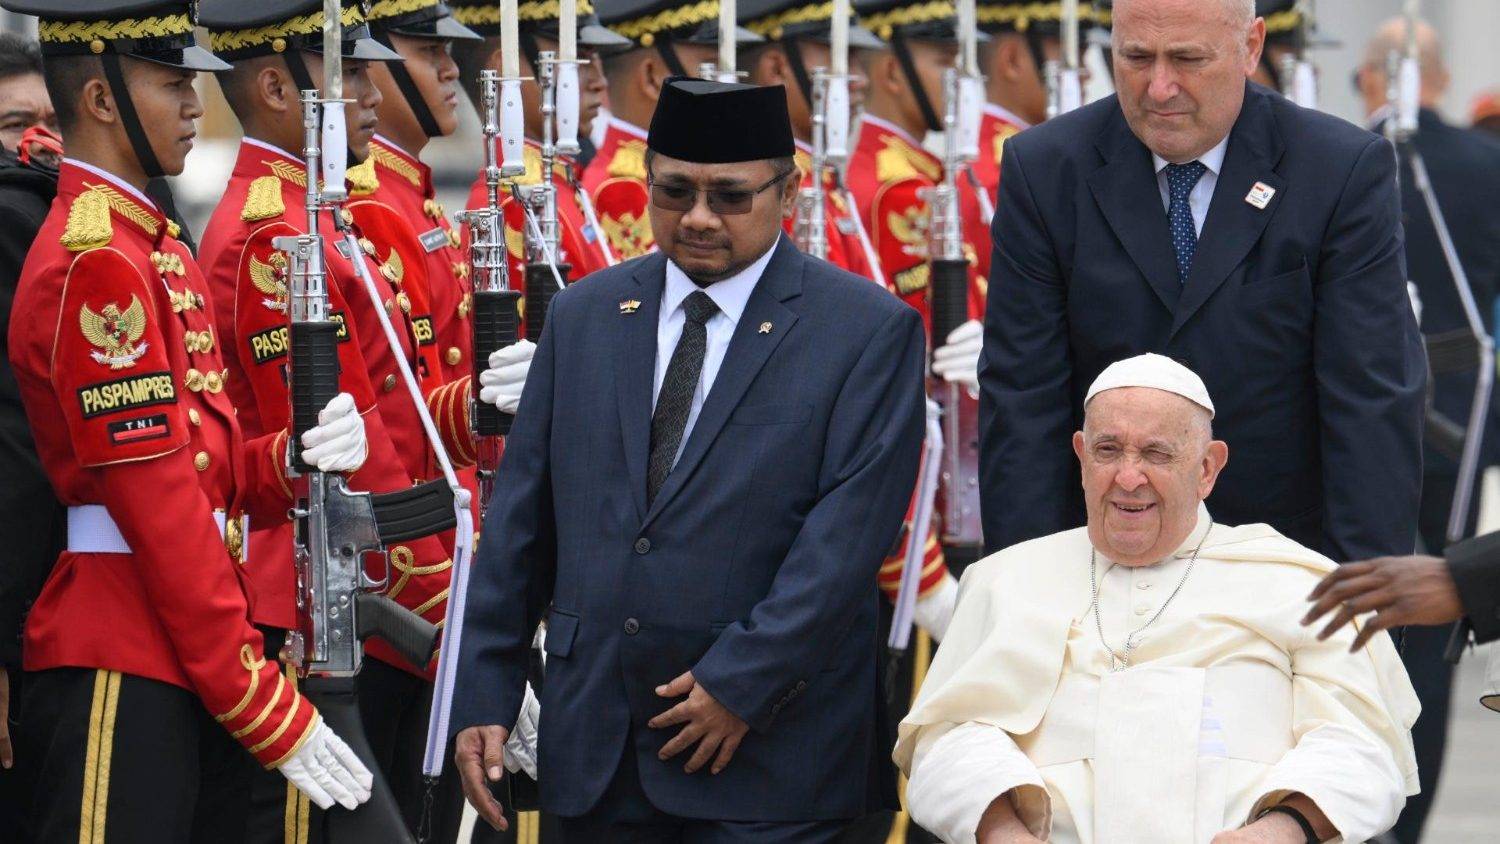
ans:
(707, 723)
(1399, 590)
(479, 754)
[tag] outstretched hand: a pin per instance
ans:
(1399, 590)
(716, 730)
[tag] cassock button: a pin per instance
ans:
(390, 383)
(200, 461)
(632, 627)
(643, 546)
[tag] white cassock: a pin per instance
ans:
(1229, 705)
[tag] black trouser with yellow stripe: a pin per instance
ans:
(120, 758)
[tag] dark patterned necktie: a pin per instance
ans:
(1181, 179)
(675, 401)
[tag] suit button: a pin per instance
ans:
(632, 627)
(643, 546)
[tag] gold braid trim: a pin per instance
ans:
(1284, 21)
(265, 712)
(290, 172)
(291, 714)
(883, 24)
(263, 201)
(670, 19)
(395, 163)
(433, 601)
(771, 26)
(404, 561)
(253, 665)
(532, 10)
(382, 9)
(236, 39)
(1021, 17)
(73, 32)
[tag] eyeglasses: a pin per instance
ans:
(722, 201)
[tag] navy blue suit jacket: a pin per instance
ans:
(1296, 317)
(754, 567)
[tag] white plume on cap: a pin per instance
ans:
(1156, 372)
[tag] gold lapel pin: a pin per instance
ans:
(765, 328)
(629, 306)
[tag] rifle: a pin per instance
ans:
(545, 275)
(1064, 85)
(1299, 80)
(338, 604)
(949, 284)
(497, 315)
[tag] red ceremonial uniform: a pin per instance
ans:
(120, 367)
(265, 199)
(578, 243)
(996, 126)
(616, 180)
(890, 174)
(445, 336)
(844, 247)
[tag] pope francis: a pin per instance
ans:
(1145, 678)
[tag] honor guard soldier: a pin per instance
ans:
(145, 669)
(1023, 37)
(419, 102)
(667, 38)
(1290, 33)
(797, 42)
(275, 49)
(580, 244)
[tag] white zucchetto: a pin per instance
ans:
(1154, 371)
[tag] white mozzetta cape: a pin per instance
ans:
(1229, 706)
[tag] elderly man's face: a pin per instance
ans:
(1147, 460)
(1180, 69)
(712, 245)
(23, 103)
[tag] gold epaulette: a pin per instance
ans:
(396, 164)
(362, 179)
(900, 161)
(263, 201)
(533, 159)
(629, 161)
(89, 226)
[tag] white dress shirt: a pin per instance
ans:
(1203, 192)
(730, 295)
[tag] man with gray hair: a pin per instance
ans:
(1200, 216)
(1145, 678)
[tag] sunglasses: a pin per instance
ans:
(682, 198)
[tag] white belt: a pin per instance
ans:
(91, 530)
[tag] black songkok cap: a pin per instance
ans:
(708, 122)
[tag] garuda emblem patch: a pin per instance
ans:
(116, 333)
(269, 277)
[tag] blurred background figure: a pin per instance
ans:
(1464, 167)
(24, 104)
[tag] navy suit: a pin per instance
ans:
(754, 567)
(1295, 315)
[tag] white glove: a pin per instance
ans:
(520, 748)
(501, 384)
(934, 611)
(327, 771)
(957, 361)
(338, 443)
